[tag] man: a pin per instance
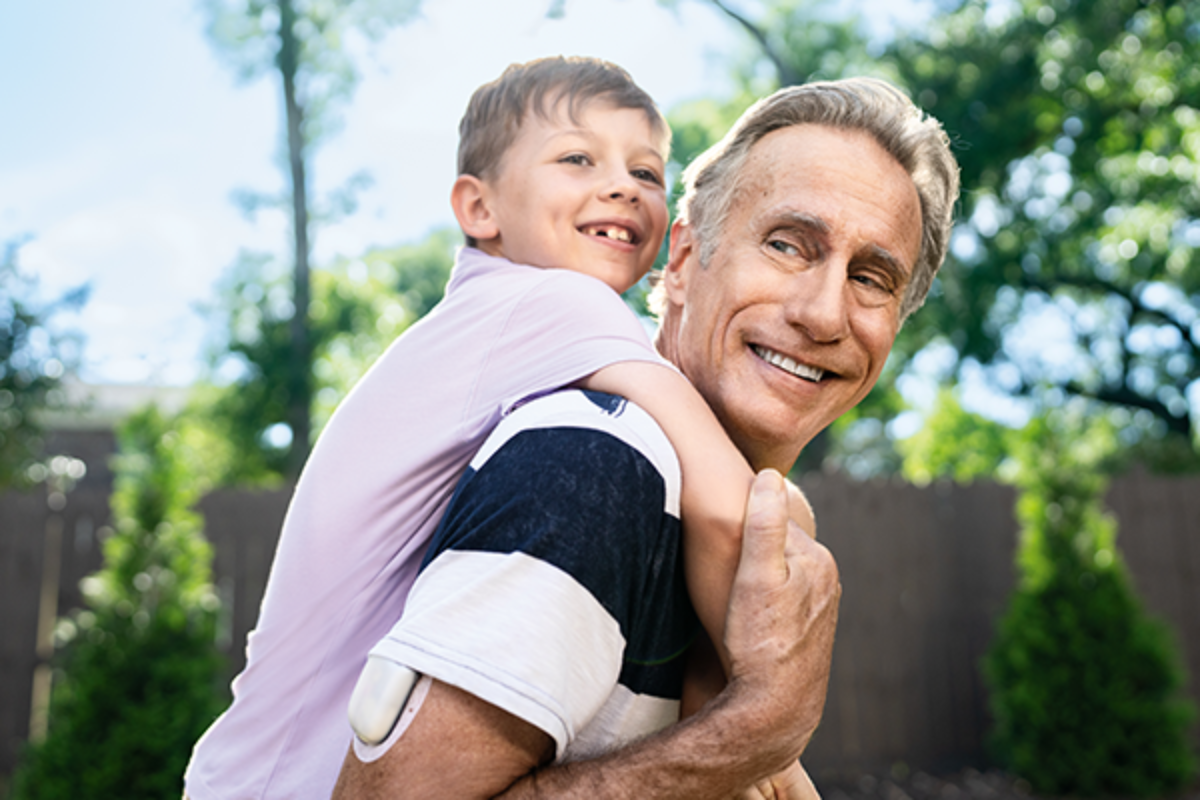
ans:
(805, 238)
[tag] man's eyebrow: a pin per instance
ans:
(882, 257)
(812, 224)
(801, 219)
(818, 226)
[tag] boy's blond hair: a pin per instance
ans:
(494, 116)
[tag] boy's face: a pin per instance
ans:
(588, 196)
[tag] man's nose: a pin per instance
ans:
(819, 302)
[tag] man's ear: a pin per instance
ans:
(683, 257)
(469, 199)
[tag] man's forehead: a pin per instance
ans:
(824, 180)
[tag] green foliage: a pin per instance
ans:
(955, 443)
(305, 43)
(1075, 269)
(1085, 688)
(33, 360)
(359, 307)
(136, 680)
(1079, 138)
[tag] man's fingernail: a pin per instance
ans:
(768, 480)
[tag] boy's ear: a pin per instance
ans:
(684, 256)
(468, 198)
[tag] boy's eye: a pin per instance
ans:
(647, 175)
(578, 159)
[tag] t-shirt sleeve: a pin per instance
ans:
(557, 550)
(566, 327)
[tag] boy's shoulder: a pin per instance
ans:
(499, 280)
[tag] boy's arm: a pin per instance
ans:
(716, 481)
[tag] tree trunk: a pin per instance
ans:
(299, 400)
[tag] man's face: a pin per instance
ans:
(585, 195)
(791, 323)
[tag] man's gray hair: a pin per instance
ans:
(916, 141)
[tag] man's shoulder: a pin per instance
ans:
(592, 412)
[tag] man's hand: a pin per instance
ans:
(799, 510)
(783, 611)
(781, 623)
(791, 784)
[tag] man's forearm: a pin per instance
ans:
(714, 754)
(780, 636)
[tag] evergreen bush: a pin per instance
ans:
(136, 679)
(1085, 687)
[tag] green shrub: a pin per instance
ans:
(136, 681)
(1085, 688)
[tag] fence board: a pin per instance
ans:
(24, 517)
(1159, 537)
(925, 574)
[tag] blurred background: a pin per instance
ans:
(214, 215)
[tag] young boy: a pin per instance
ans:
(561, 195)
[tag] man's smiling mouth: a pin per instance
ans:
(789, 365)
(610, 232)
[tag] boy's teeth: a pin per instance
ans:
(789, 365)
(613, 232)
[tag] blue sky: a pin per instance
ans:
(123, 137)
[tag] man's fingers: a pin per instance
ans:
(764, 538)
(800, 511)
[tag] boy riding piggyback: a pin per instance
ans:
(561, 196)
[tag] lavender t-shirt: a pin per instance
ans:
(372, 493)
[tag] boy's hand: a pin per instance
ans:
(791, 784)
(799, 510)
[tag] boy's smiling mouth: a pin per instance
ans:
(608, 231)
(787, 364)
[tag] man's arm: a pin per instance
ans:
(779, 634)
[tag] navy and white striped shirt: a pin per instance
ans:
(554, 587)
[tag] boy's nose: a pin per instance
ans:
(620, 185)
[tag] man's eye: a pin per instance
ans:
(787, 248)
(647, 175)
(578, 159)
(873, 283)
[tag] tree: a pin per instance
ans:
(33, 359)
(136, 679)
(956, 443)
(1075, 269)
(304, 41)
(1085, 688)
(1080, 146)
(359, 306)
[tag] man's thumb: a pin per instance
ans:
(764, 536)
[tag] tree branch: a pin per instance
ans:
(1138, 308)
(1125, 396)
(788, 76)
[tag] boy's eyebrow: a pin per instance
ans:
(587, 134)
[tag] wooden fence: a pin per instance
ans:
(925, 573)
